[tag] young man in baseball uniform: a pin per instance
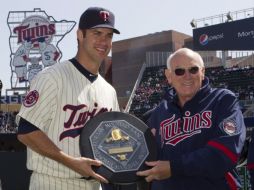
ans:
(199, 130)
(61, 100)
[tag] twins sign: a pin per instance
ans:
(34, 39)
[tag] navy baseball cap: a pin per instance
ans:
(97, 17)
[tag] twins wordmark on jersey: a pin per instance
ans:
(73, 127)
(174, 130)
(78, 115)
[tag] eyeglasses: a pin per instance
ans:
(181, 71)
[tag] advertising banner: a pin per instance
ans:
(234, 35)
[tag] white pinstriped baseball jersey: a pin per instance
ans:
(46, 182)
(61, 100)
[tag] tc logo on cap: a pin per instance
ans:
(96, 17)
(104, 15)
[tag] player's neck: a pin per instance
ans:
(88, 64)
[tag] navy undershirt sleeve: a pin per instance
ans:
(26, 127)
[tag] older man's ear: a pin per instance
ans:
(168, 75)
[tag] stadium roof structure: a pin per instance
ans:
(222, 18)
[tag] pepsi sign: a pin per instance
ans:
(235, 35)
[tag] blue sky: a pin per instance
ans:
(133, 18)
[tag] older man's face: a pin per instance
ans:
(186, 76)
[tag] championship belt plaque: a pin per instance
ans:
(122, 142)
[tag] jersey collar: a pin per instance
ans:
(90, 76)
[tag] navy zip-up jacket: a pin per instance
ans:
(202, 140)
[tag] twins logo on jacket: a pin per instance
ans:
(174, 130)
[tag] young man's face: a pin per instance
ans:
(97, 43)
